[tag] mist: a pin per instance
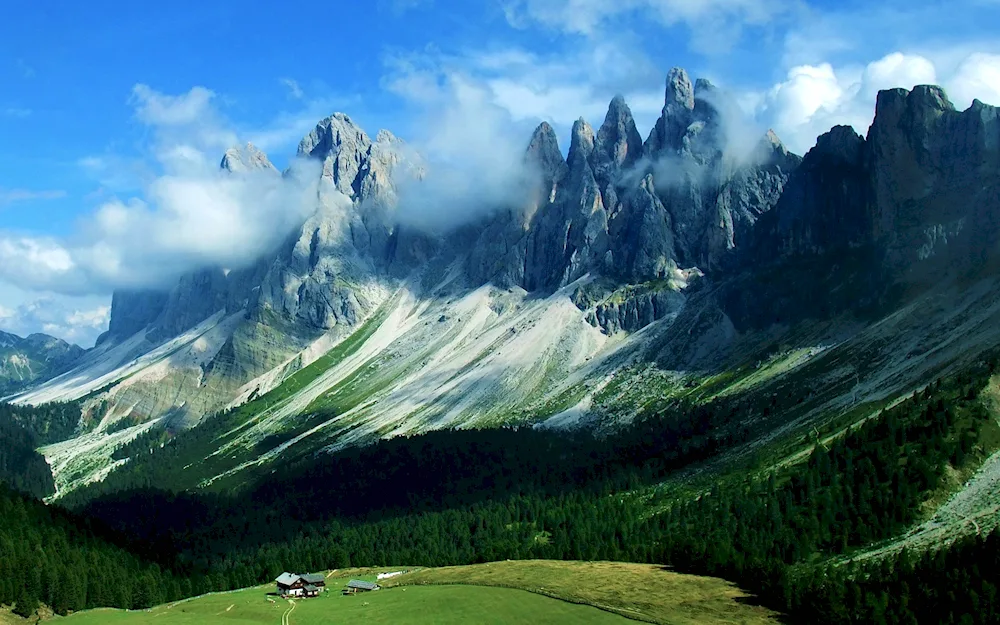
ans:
(185, 214)
(471, 155)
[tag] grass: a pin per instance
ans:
(643, 592)
(533, 591)
(445, 604)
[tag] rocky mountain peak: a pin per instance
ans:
(680, 91)
(543, 153)
(245, 158)
(581, 144)
(342, 146)
(840, 145)
(618, 141)
(677, 116)
(386, 137)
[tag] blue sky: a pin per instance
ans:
(96, 94)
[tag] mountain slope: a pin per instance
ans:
(633, 276)
(25, 361)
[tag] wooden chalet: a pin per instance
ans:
(356, 585)
(300, 585)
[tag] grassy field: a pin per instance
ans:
(498, 593)
(446, 604)
(640, 591)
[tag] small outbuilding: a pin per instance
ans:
(356, 585)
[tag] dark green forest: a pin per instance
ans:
(21, 467)
(48, 423)
(460, 497)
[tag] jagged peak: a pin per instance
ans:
(582, 142)
(702, 86)
(330, 134)
(386, 137)
(618, 108)
(618, 140)
(245, 158)
(680, 91)
(841, 144)
(543, 152)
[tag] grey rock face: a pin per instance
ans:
(935, 175)
(635, 310)
(752, 191)
(677, 116)
(342, 147)
(132, 311)
(618, 208)
(247, 158)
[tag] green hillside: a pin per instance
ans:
(499, 593)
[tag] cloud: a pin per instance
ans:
(558, 87)
(471, 150)
(474, 112)
(399, 7)
(714, 25)
(11, 196)
(75, 320)
(978, 77)
(294, 90)
(186, 214)
(813, 98)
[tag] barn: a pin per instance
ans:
(357, 585)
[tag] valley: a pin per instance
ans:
(500, 592)
(661, 382)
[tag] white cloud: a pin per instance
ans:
(76, 320)
(10, 196)
(529, 87)
(978, 77)
(187, 214)
(472, 151)
(158, 109)
(814, 98)
(294, 90)
(715, 25)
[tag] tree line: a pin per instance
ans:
(474, 496)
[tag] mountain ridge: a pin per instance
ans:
(34, 358)
(628, 265)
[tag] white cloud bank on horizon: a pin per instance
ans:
(189, 213)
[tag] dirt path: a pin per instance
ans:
(286, 617)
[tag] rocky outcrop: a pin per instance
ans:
(632, 211)
(132, 311)
(935, 177)
(635, 308)
(825, 206)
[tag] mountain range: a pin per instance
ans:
(37, 357)
(705, 261)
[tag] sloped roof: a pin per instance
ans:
(313, 578)
(362, 585)
(287, 579)
(311, 588)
